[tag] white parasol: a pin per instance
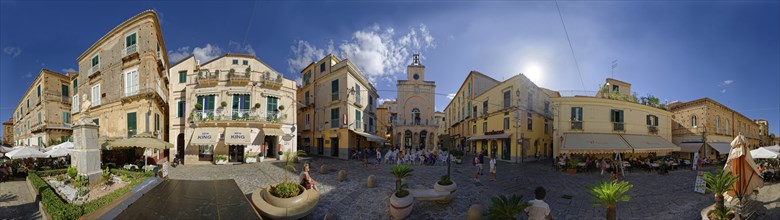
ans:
(741, 165)
(59, 152)
(763, 153)
(25, 152)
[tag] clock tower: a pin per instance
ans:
(415, 71)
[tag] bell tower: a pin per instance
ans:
(416, 71)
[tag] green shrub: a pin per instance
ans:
(57, 208)
(106, 173)
(286, 190)
(37, 182)
(96, 204)
(52, 172)
(72, 172)
(445, 180)
(456, 153)
(219, 157)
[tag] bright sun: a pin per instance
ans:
(534, 72)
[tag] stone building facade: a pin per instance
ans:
(234, 105)
(710, 125)
(338, 114)
(383, 125)
(415, 126)
(764, 137)
(43, 114)
(122, 82)
(459, 116)
(8, 132)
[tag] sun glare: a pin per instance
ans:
(534, 72)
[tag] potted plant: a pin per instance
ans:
(287, 193)
(281, 107)
(279, 155)
(400, 202)
(251, 158)
(572, 165)
(502, 207)
(445, 184)
(223, 104)
(458, 156)
(608, 194)
(719, 182)
(220, 159)
(257, 105)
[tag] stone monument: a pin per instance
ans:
(86, 151)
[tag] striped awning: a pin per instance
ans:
(490, 137)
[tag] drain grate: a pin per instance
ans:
(566, 196)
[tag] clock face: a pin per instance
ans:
(416, 77)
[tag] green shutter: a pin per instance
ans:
(131, 124)
(648, 120)
(236, 99)
(573, 113)
(655, 123)
(245, 104)
(65, 91)
(182, 76)
(620, 115)
(612, 115)
(210, 102)
(75, 85)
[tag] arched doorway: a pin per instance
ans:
(423, 137)
(408, 139)
(416, 116)
(180, 147)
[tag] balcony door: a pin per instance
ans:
(240, 107)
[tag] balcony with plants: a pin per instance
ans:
(206, 78)
(272, 80)
(239, 78)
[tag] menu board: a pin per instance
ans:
(700, 183)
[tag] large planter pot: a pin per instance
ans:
(221, 162)
(284, 202)
(571, 171)
(446, 188)
(251, 159)
(401, 207)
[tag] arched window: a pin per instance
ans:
(408, 139)
(717, 124)
(693, 121)
(416, 116)
(728, 128)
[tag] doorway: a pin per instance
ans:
(180, 148)
(334, 147)
(236, 153)
(493, 148)
(320, 146)
(271, 148)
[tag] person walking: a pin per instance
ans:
(478, 166)
(482, 160)
(378, 158)
(493, 167)
(538, 209)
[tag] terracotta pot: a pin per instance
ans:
(401, 207)
(284, 202)
(446, 188)
(571, 171)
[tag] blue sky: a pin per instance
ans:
(728, 51)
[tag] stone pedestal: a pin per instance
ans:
(86, 151)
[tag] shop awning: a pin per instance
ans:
(721, 147)
(649, 143)
(238, 136)
(585, 143)
(489, 137)
(272, 132)
(690, 147)
(205, 136)
(371, 137)
(143, 140)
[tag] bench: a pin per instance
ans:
(310, 199)
(428, 194)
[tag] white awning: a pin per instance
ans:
(238, 136)
(721, 147)
(205, 136)
(272, 132)
(690, 147)
(490, 137)
(371, 137)
(763, 153)
(649, 143)
(588, 143)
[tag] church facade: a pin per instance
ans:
(414, 125)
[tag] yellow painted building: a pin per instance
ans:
(43, 113)
(459, 116)
(512, 120)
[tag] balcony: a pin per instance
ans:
(652, 129)
(415, 123)
(576, 125)
(94, 69)
(207, 79)
(618, 126)
(272, 81)
(135, 91)
(238, 78)
(240, 115)
(130, 51)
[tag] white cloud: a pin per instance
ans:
(723, 91)
(379, 52)
(728, 82)
(178, 54)
(68, 70)
(451, 96)
(207, 53)
(381, 100)
(237, 47)
(12, 51)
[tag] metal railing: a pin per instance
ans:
(236, 115)
(618, 126)
(652, 129)
(94, 69)
(576, 125)
(241, 114)
(131, 91)
(334, 96)
(129, 50)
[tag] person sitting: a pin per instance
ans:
(306, 180)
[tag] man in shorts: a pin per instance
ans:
(478, 165)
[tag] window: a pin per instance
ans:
(576, 114)
(307, 77)
(617, 117)
(246, 62)
(334, 118)
(371, 125)
(75, 85)
(334, 89)
(131, 43)
(370, 100)
(469, 88)
(506, 123)
(530, 121)
(66, 118)
(728, 128)
(306, 97)
(693, 121)
(38, 89)
(468, 109)
(485, 107)
(64, 89)
(40, 119)
(307, 120)
(96, 121)
(474, 129)
(131, 82)
(95, 62)
(96, 95)
(546, 126)
(180, 108)
(474, 111)
(322, 67)
(235, 62)
(507, 97)
(357, 93)
(652, 120)
(207, 103)
(131, 124)
(240, 103)
(75, 104)
(615, 88)
(484, 126)
(272, 104)
(717, 124)
(183, 76)
(546, 107)
(156, 122)
(530, 102)
(358, 119)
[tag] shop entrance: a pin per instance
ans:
(180, 148)
(271, 146)
(236, 153)
(334, 147)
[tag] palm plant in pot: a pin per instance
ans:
(608, 194)
(400, 202)
(445, 184)
(502, 207)
(287, 193)
(719, 182)
(572, 165)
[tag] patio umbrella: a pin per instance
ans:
(741, 165)
(4, 149)
(775, 148)
(25, 152)
(66, 145)
(59, 152)
(763, 153)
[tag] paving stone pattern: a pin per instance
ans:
(653, 197)
(16, 202)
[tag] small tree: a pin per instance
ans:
(718, 183)
(502, 207)
(400, 172)
(288, 189)
(608, 194)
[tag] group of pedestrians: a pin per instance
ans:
(478, 160)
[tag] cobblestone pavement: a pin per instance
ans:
(16, 201)
(653, 196)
